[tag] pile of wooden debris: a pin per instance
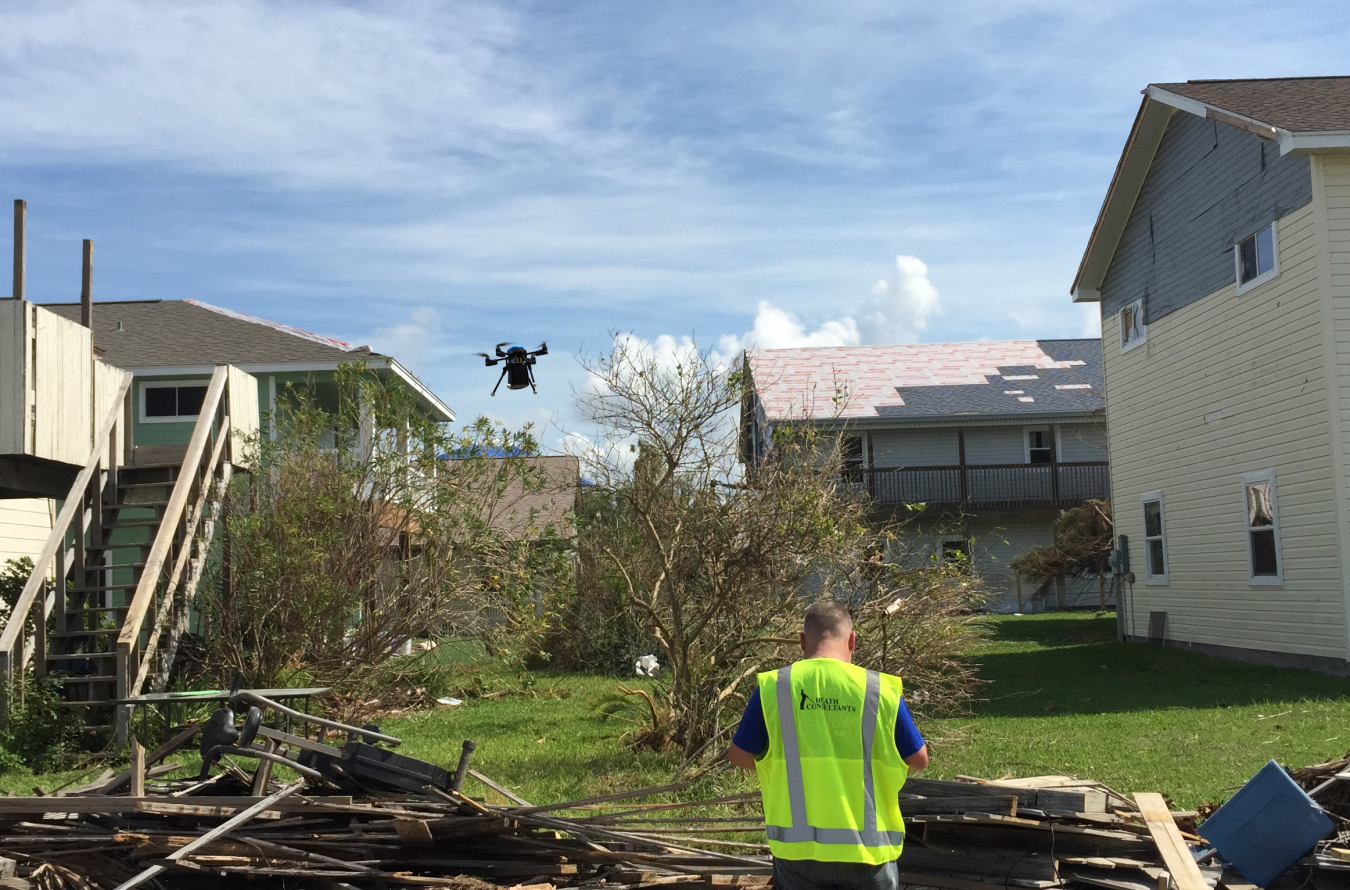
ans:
(964, 835)
(362, 816)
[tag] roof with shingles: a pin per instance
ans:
(178, 333)
(931, 380)
(1297, 104)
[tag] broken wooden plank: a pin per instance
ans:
(137, 769)
(152, 758)
(242, 818)
(1176, 854)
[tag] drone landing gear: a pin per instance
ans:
(499, 381)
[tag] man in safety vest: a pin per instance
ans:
(832, 744)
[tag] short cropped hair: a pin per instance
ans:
(827, 618)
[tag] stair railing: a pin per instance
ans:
(57, 562)
(179, 551)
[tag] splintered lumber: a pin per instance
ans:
(153, 757)
(500, 789)
(925, 806)
(1171, 846)
(219, 831)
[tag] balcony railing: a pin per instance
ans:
(988, 486)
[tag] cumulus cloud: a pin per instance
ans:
(897, 311)
(413, 343)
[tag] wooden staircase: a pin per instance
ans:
(110, 594)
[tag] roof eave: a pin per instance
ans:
(949, 419)
(1135, 160)
(430, 399)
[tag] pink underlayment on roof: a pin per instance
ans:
(803, 382)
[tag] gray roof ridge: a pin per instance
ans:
(280, 327)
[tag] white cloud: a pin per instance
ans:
(897, 312)
(901, 304)
(1092, 319)
(413, 343)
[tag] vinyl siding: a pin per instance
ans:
(1082, 442)
(996, 445)
(995, 541)
(1258, 359)
(1210, 184)
(915, 448)
(25, 524)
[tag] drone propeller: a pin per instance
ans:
(503, 343)
(482, 354)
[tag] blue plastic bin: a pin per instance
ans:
(1267, 826)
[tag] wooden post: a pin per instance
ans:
(1018, 575)
(961, 459)
(87, 286)
(137, 769)
(262, 776)
(20, 247)
(1101, 590)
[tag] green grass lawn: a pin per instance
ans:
(1064, 697)
(1061, 696)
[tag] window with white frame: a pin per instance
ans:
(171, 401)
(1133, 331)
(1155, 538)
(1255, 259)
(1262, 520)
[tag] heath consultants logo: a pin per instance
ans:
(807, 703)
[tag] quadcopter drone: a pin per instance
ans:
(518, 372)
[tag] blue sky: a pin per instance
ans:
(431, 178)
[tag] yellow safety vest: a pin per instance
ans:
(831, 776)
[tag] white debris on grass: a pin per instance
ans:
(647, 666)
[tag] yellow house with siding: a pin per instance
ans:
(1221, 262)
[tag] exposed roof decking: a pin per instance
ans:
(931, 381)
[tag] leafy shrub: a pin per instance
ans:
(40, 734)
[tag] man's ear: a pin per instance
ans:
(852, 640)
(801, 641)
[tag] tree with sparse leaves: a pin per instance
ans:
(715, 560)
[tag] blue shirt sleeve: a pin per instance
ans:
(753, 734)
(907, 737)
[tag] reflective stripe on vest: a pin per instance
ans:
(799, 831)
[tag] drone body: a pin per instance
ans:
(519, 370)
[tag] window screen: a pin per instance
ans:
(1256, 255)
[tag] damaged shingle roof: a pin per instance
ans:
(178, 333)
(1297, 104)
(931, 380)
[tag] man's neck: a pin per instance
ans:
(837, 653)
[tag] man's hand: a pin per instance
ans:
(746, 760)
(916, 761)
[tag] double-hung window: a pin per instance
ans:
(1262, 519)
(1133, 331)
(1040, 447)
(171, 402)
(1155, 538)
(1255, 259)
